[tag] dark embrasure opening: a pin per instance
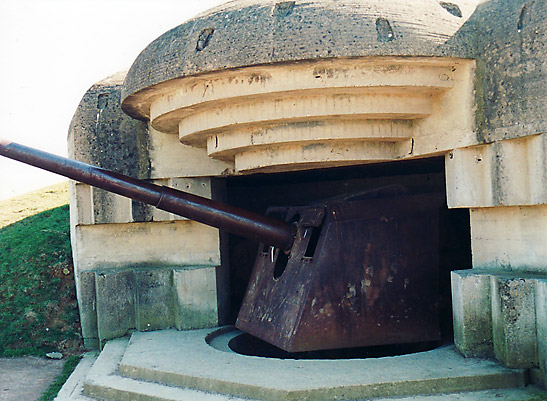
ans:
(257, 192)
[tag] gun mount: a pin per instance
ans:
(352, 271)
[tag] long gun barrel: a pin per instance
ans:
(232, 219)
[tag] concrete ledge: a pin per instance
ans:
(146, 243)
(520, 394)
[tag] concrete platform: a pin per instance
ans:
(174, 365)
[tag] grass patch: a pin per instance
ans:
(68, 368)
(31, 203)
(38, 307)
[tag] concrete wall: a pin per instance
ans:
(137, 267)
(508, 38)
(499, 305)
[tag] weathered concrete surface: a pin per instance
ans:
(99, 130)
(116, 310)
(243, 33)
(514, 321)
(511, 51)
(87, 304)
(154, 299)
(103, 379)
(118, 301)
(195, 293)
(503, 173)
(157, 357)
(510, 238)
(507, 38)
(472, 313)
(511, 327)
(27, 378)
(101, 135)
(541, 324)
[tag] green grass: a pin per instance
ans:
(29, 204)
(68, 368)
(38, 307)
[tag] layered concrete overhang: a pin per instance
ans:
(246, 33)
(276, 86)
(321, 113)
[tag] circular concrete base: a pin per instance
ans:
(200, 359)
(230, 339)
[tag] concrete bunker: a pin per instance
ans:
(256, 98)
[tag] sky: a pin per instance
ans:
(52, 51)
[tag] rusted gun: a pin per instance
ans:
(234, 220)
(352, 271)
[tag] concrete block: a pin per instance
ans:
(176, 243)
(541, 326)
(110, 208)
(141, 212)
(472, 313)
(468, 177)
(503, 173)
(510, 238)
(195, 297)
(87, 304)
(170, 158)
(514, 321)
(82, 203)
(450, 124)
(154, 299)
(115, 303)
(200, 186)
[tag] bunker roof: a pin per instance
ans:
(251, 32)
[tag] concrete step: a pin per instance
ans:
(72, 390)
(103, 382)
(181, 366)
